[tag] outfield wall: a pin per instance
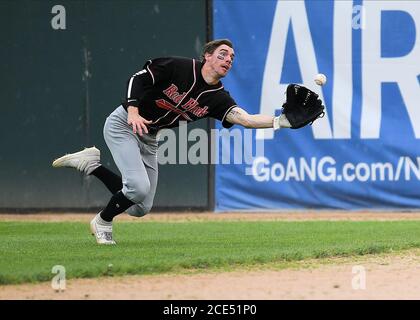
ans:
(60, 77)
(365, 152)
(65, 66)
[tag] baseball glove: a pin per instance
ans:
(302, 106)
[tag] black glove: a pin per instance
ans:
(302, 106)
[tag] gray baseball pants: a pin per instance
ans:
(136, 159)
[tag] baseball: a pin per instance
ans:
(320, 79)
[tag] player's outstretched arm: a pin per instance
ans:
(302, 107)
(239, 116)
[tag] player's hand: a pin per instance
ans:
(302, 106)
(137, 122)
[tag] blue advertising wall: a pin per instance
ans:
(365, 152)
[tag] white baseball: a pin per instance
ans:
(320, 79)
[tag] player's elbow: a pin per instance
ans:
(240, 117)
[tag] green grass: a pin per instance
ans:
(29, 250)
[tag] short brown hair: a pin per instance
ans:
(209, 47)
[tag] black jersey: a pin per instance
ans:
(169, 90)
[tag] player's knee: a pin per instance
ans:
(146, 209)
(137, 190)
(138, 210)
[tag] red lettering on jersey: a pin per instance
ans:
(191, 105)
(172, 93)
(202, 111)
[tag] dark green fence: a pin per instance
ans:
(59, 85)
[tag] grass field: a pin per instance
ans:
(29, 250)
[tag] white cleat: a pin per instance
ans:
(85, 161)
(103, 234)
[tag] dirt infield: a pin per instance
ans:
(225, 216)
(386, 276)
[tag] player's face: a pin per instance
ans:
(221, 60)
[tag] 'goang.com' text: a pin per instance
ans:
(326, 169)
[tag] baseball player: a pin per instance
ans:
(166, 91)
